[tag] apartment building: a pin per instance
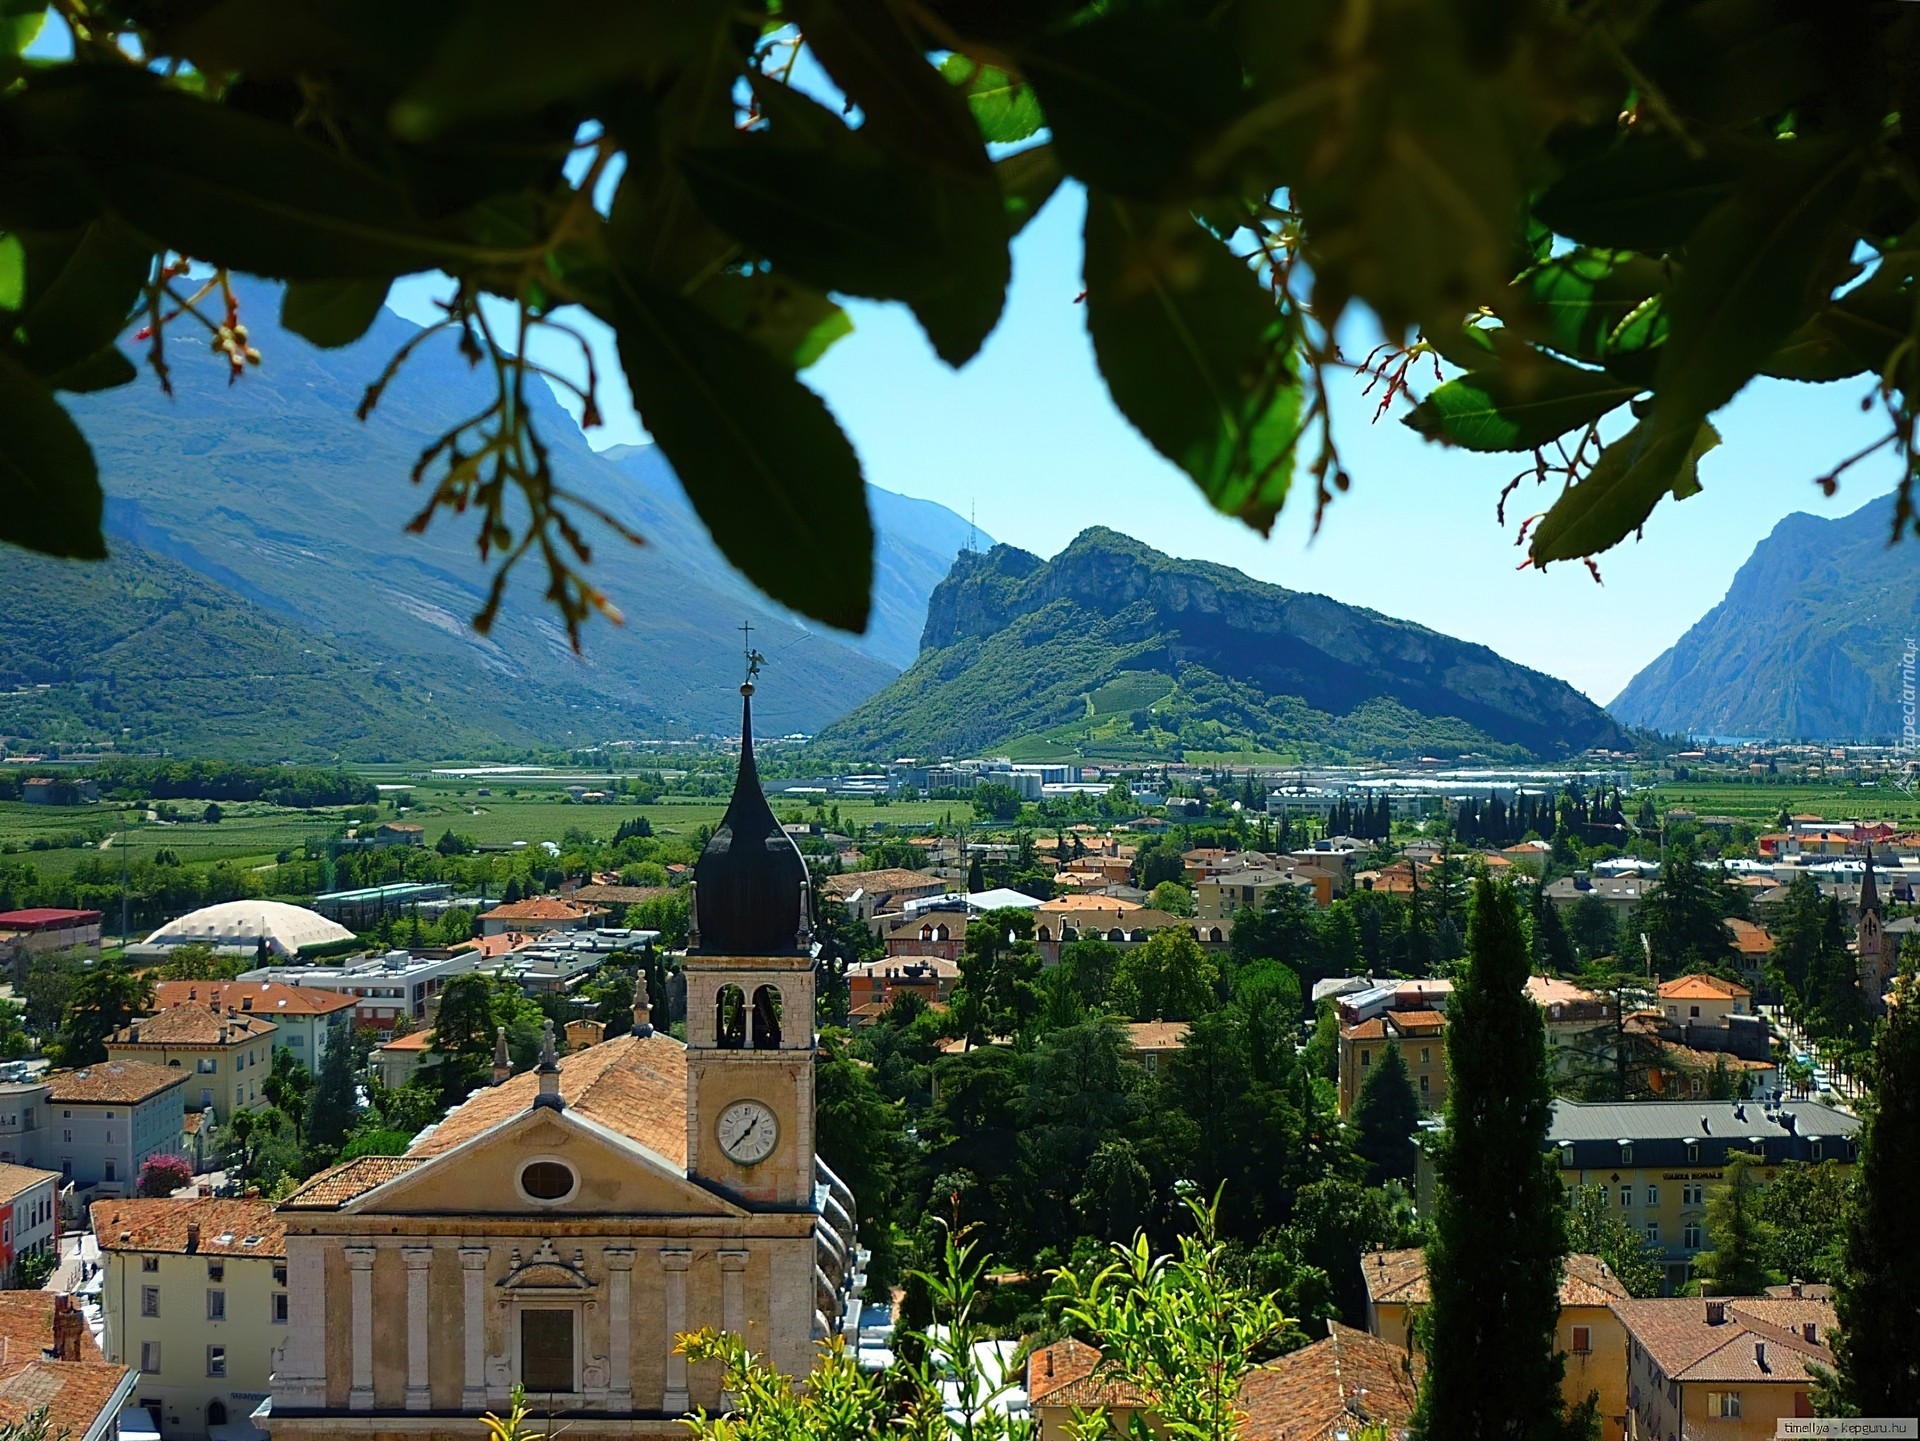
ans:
(1726, 1368)
(194, 1295)
(306, 1016)
(224, 1054)
(104, 1120)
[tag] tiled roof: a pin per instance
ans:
(540, 908)
(620, 895)
(893, 878)
(1752, 1344)
(26, 1321)
(1157, 1035)
(335, 1187)
(193, 1025)
(1409, 1021)
(1551, 990)
(15, 1179)
(1089, 903)
(1749, 939)
(1062, 1375)
(412, 1041)
(268, 998)
(127, 1082)
(75, 1393)
(636, 1085)
(1327, 1388)
(937, 965)
(1372, 1030)
(140, 1224)
(1711, 988)
(1400, 1278)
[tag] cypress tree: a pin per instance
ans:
(1878, 1348)
(1386, 1113)
(333, 1108)
(1495, 1255)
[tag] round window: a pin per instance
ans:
(547, 1181)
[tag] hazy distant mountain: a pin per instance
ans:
(1115, 648)
(1806, 645)
(272, 491)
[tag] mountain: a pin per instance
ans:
(270, 490)
(1807, 644)
(1113, 647)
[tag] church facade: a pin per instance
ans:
(560, 1228)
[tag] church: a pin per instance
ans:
(559, 1228)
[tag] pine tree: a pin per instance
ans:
(1739, 1234)
(1499, 1225)
(976, 881)
(1878, 1348)
(333, 1106)
(1385, 1114)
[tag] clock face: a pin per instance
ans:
(748, 1132)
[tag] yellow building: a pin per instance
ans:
(1703, 1000)
(1220, 897)
(194, 1296)
(1722, 1370)
(225, 1054)
(1580, 1024)
(1422, 1039)
(1589, 1332)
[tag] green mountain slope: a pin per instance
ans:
(1807, 645)
(148, 656)
(1114, 647)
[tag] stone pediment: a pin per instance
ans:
(546, 1272)
(480, 1176)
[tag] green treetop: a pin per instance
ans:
(1385, 1114)
(1740, 1234)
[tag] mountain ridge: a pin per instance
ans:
(1236, 658)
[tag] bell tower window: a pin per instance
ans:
(766, 1019)
(730, 1019)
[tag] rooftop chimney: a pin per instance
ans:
(1716, 1313)
(1808, 1330)
(502, 1062)
(66, 1329)
(549, 1071)
(193, 1237)
(1796, 1288)
(133, 1033)
(642, 1011)
(1760, 1355)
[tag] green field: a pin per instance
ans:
(1764, 803)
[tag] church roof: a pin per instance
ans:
(750, 876)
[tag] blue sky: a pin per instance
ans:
(1025, 433)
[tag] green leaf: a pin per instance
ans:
(1644, 194)
(221, 185)
(81, 287)
(1028, 181)
(1518, 406)
(13, 272)
(332, 313)
(20, 22)
(1194, 352)
(790, 321)
(105, 369)
(50, 497)
(1581, 298)
(1130, 96)
(1005, 109)
(760, 455)
(1755, 269)
(1619, 493)
(1856, 333)
(857, 221)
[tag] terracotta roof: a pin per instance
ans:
(1411, 1020)
(1749, 939)
(636, 1085)
(938, 965)
(47, 917)
(412, 1041)
(893, 878)
(1156, 1035)
(128, 1082)
(26, 1321)
(15, 1179)
(269, 998)
(540, 908)
(191, 1121)
(1712, 988)
(1062, 1375)
(1551, 990)
(333, 1188)
(1324, 1389)
(503, 944)
(1752, 1344)
(1400, 1278)
(139, 1224)
(193, 1025)
(1090, 903)
(619, 895)
(75, 1393)
(1373, 1030)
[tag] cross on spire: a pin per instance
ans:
(753, 657)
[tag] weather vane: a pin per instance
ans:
(754, 659)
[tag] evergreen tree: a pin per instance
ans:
(332, 1110)
(1832, 1006)
(1552, 949)
(976, 880)
(1878, 1348)
(1796, 938)
(1740, 1234)
(1499, 1223)
(1385, 1114)
(1683, 919)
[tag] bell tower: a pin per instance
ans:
(750, 1001)
(1870, 943)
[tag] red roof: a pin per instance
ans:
(46, 918)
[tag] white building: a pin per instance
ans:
(239, 927)
(384, 987)
(104, 1120)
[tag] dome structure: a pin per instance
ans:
(240, 925)
(750, 882)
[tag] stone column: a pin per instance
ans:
(473, 1276)
(675, 1264)
(360, 1258)
(619, 1261)
(733, 1304)
(419, 1263)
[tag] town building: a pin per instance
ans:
(1620, 894)
(867, 893)
(364, 908)
(1588, 1332)
(194, 1296)
(398, 1061)
(39, 929)
(1729, 1367)
(244, 928)
(23, 1115)
(49, 1358)
(305, 1018)
(222, 1055)
(876, 983)
(1705, 999)
(560, 1228)
(540, 915)
(385, 988)
(1218, 898)
(105, 1120)
(1421, 1037)
(29, 1216)
(1153, 1043)
(1580, 1025)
